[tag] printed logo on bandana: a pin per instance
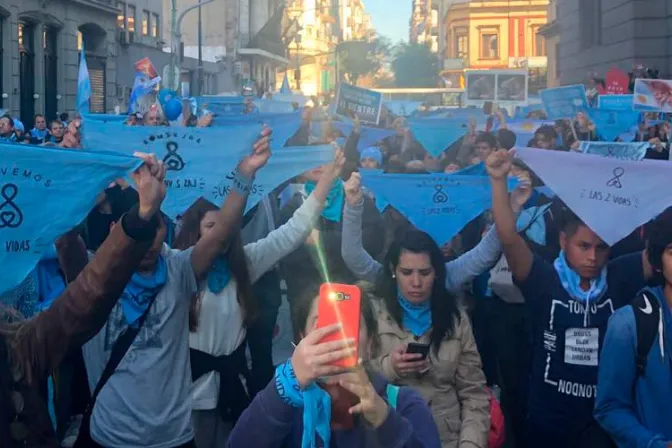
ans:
(582, 346)
(10, 214)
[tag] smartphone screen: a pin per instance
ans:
(487, 108)
(415, 348)
(341, 304)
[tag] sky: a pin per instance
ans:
(390, 21)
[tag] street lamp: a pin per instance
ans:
(176, 37)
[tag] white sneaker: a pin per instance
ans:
(73, 432)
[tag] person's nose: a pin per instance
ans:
(416, 281)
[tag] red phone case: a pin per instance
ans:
(341, 304)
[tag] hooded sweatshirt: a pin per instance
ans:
(642, 419)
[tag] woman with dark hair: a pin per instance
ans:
(312, 403)
(223, 307)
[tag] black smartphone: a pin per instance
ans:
(416, 348)
(487, 108)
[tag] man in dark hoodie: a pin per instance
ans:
(569, 302)
(635, 379)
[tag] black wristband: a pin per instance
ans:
(137, 228)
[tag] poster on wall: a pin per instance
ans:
(653, 95)
(506, 87)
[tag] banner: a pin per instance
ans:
(616, 150)
(653, 95)
(197, 159)
(439, 204)
(436, 135)
(564, 102)
(615, 102)
(284, 125)
(506, 87)
(45, 192)
(617, 82)
(364, 103)
(282, 166)
(612, 196)
(610, 124)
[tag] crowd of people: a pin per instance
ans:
(137, 331)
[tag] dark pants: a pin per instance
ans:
(510, 336)
(73, 390)
(260, 334)
(592, 436)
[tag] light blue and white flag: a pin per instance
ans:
(83, 85)
(142, 85)
(439, 204)
(525, 128)
(223, 105)
(612, 196)
(285, 164)
(197, 159)
(45, 192)
(436, 135)
(616, 150)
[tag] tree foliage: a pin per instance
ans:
(361, 58)
(415, 65)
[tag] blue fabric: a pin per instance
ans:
(473, 170)
(110, 118)
(49, 276)
(436, 135)
(284, 88)
(283, 165)
(197, 159)
(416, 317)
(45, 192)
(563, 380)
(640, 419)
(609, 124)
(274, 107)
(615, 102)
(571, 281)
(333, 208)
(532, 221)
(374, 153)
(316, 404)
(140, 291)
(142, 86)
(39, 135)
(223, 105)
(284, 125)
(219, 275)
(368, 136)
(616, 150)
(83, 85)
(439, 204)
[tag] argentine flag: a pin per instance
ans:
(83, 85)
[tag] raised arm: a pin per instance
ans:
(518, 255)
(265, 253)
(83, 308)
(229, 216)
(352, 249)
(488, 251)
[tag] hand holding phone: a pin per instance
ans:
(404, 363)
(417, 349)
(341, 304)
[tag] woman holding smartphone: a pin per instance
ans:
(313, 403)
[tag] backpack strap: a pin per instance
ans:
(392, 392)
(647, 314)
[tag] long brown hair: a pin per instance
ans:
(235, 257)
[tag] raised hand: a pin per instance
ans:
(261, 152)
(498, 164)
(353, 189)
(334, 169)
(523, 191)
(149, 181)
(312, 359)
(371, 406)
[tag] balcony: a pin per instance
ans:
(103, 5)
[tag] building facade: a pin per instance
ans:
(496, 34)
(551, 32)
(247, 37)
(424, 23)
(594, 36)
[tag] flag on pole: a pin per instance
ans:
(83, 85)
(285, 89)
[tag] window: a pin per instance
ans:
(155, 25)
(539, 43)
(121, 17)
(489, 45)
(461, 46)
(590, 23)
(131, 18)
(145, 23)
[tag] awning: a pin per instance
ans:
(268, 42)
